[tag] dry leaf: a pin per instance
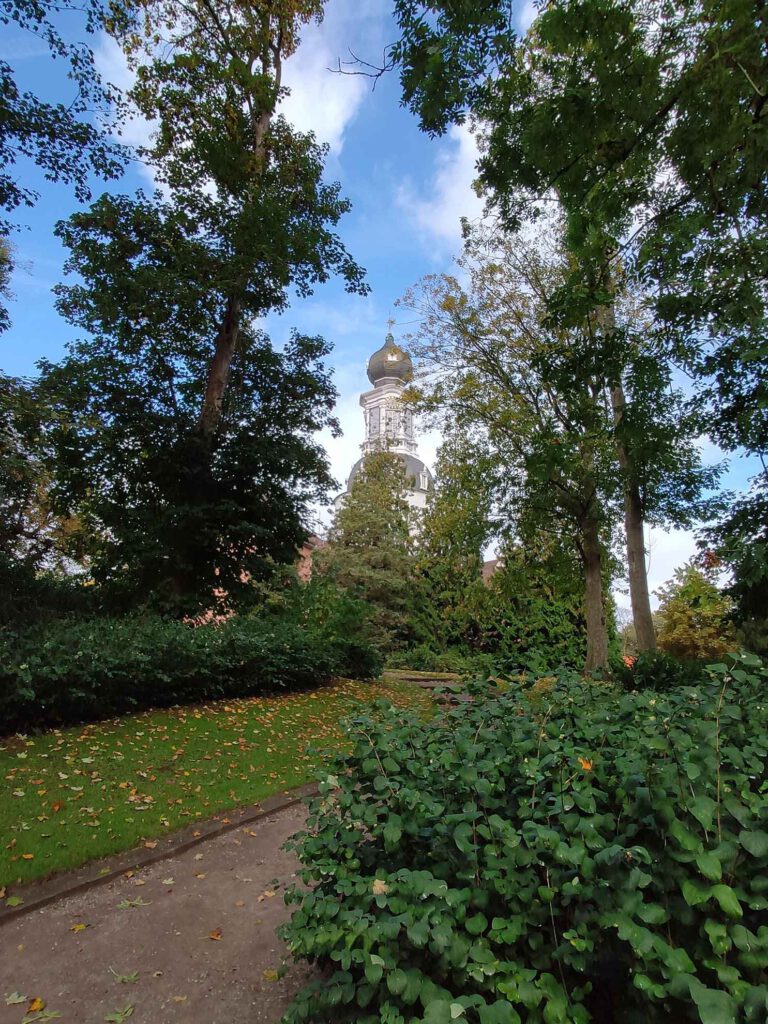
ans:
(27, 856)
(139, 881)
(271, 975)
(2, 892)
(14, 998)
(200, 874)
(168, 881)
(198, 856)
(78, 927)
(380, 887)
(180, 999)
(215, 934)
(240, 903)
(150, 845)
(36, 1005)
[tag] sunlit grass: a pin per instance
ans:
(71, 795)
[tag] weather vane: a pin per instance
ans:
(390, 324)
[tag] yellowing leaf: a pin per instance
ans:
(215, 934)
(36, 1005)
(78, 927)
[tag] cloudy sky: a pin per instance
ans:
(408, 193)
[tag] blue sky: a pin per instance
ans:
(408, 193)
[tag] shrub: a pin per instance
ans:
(657, 670)
(82, 670)
(590, 855)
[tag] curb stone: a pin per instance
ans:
(49, 890)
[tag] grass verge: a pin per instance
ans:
(72, 795)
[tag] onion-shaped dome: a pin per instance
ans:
(390, 361)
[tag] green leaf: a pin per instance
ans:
(476, 924)
(500, 1012)
(714, 1005)
(694, 894)
(397, 981)
(14, 901)
(703, 809)
(709, 865)
(728, 900)
(755, 843)
(14, 999)
(438, 1011)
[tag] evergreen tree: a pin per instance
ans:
(371, 550)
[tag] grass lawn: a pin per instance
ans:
(71, 795)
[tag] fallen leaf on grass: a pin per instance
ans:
(78, 927)
(14, 998)
(119, 1015)
(215, 934)
(2, 892)
(138, 902)
(27, 856)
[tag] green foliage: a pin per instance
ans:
(693, 616)
(657, 670)
(72, 671)
(370, 552)
(562, 854)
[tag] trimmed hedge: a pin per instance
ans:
(74, 671)
(549, 855)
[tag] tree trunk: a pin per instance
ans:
(597, 637)
(633, 527)
(218, 371)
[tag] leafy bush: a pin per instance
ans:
(581, 854)
(73, 671)
(657, 670)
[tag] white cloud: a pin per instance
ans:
(437, 210)
(320, 100)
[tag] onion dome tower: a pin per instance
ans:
(389, 422)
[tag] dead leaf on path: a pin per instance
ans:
(200, 874)
(150, 845)
(239, 903)
(215, 935)
(198, 856)
(157, 974)
(128, 874)
(139, 881)
(271, 975)
(168, 881)
(36, 1005)
(14, 998)
(78, 927)
(38, 1018)
(266, 895)
(180, 999)
(14, 901)
(2, 892)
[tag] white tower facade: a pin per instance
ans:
(389, 422)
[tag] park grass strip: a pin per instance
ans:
(70, 796)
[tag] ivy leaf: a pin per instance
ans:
(755, 843)
(709, 865)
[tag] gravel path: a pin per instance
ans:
(198, 936)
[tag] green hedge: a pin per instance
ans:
(565, 853)
(73, 671)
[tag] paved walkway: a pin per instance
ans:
(190, 939)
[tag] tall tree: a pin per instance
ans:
(210, 75)
(496, 355)
(218, 475)
(371, 552)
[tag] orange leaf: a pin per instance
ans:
(215, 934)
(36, 1005)
(585, 763)
(27, 856)
(56, 806)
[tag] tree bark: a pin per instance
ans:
(633, 528)
(597, 636)
(218, 371)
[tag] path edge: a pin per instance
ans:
(69, 883)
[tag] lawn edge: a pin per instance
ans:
(45, 891)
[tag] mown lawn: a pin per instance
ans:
(71, 795)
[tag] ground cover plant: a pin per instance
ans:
(558, 852)
(71, 795)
